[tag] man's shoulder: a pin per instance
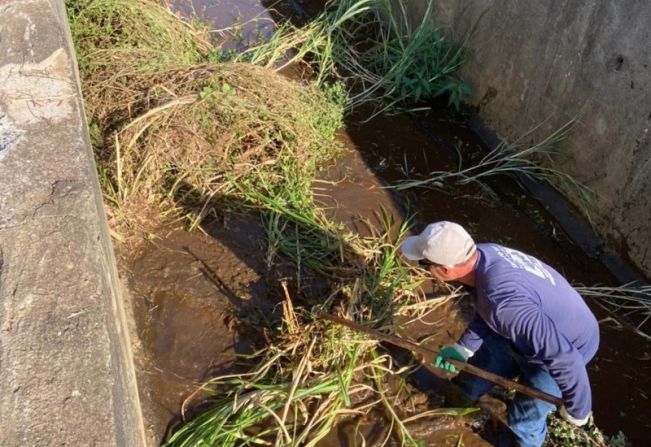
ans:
(494, 268)
(494, 257)
(499, 279)
(507, 264)
(500, 289)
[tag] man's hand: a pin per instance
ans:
(571, 419)
(449, 352)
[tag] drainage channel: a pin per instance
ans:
(188, 288)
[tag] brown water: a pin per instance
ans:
(620, 373)
(238, 22)
(189, 294)
(199, 299)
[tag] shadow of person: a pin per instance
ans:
(233, 261)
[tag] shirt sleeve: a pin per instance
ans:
(536, 336)
(473, 337)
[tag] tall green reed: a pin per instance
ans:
(374, 48)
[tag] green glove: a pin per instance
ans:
(448, 353)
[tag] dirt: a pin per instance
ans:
(199, 299)
(373, 430)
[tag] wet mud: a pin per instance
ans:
(200, 299)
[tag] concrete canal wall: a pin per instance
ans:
(544, 63)
(67, 374)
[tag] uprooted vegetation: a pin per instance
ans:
(178, 129)
(162, 115)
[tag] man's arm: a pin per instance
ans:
(536, 336)
(473, 336)
(468, 344)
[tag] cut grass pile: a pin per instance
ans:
(163, 115)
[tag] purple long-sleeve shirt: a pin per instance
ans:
(531, 304)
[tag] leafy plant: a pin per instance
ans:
(372, 46)
(564, 434)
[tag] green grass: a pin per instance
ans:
(284, 401)
(371, 46)
(103, 30)
(510, 159)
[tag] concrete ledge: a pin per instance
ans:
(67, 373)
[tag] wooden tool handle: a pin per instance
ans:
(429, 355)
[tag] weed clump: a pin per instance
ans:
(384, 58)
(164, 117)
(563, 433)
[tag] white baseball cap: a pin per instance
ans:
(445, 243)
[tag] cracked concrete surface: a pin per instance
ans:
(9, 135)
(67, 374)
(37, 92)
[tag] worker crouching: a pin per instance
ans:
(529, 322)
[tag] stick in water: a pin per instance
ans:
(429, 355)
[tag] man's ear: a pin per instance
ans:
(443, 273)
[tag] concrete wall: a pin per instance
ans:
(66, 369)
(550, 61)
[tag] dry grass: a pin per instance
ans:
(630, 301)
(208, 128)
(173, 129)
(314, 374)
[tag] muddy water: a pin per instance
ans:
(238, 22)
(199, 299)
(395, 148)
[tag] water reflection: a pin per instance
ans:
(239, 23)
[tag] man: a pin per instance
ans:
(529, 322)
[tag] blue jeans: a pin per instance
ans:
(527, 416)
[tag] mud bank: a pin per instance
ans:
(196, 298)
